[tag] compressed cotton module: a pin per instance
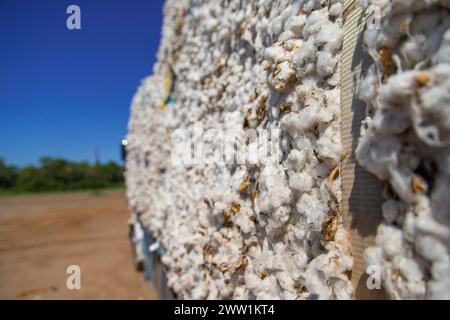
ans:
(405, 141)
(234, 148)
(245, 230)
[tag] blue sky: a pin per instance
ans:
(65, 92)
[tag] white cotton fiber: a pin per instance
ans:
(231, 229)
(406, 142)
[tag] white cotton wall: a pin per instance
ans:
(265, 230)
(273, 228)
(405, 142)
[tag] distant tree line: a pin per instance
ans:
(58, 174)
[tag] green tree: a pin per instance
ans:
(60, 174)
(8, 175)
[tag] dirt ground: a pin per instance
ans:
(41, 235)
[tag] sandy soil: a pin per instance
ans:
(41, 235)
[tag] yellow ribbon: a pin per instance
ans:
(166, 88)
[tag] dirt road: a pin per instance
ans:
(41, 235)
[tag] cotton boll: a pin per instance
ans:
(391, 240)
(295, 181)
(281, 216)
(245, 223)
(430, 248)
(308, 117)
(325, 64)
(378, 156)
(391, 121)
(342, 288)
(329, 147)
(296, 24)
(325, 115)
(409, 228)
(286, 35)
(373, 256)
(268, 284)
(277, 26)
(286, 283)
(199, 293)
(293, 46)
(399, 88)
(314, 279)
(367, 86)
(313, 210)
(304, 143)
(307, 53)
(409, 290)
(285, 71)
(411, 50)
(331, 43)
(274, 53)
(335, 9)
(409, 269)
(299, 232)
(300, 261)
(402, 180)
(296, 160)
(315, 20)
(290, 123)
(301, 182)
(251, 280)
(283, 76)
(280, 196)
